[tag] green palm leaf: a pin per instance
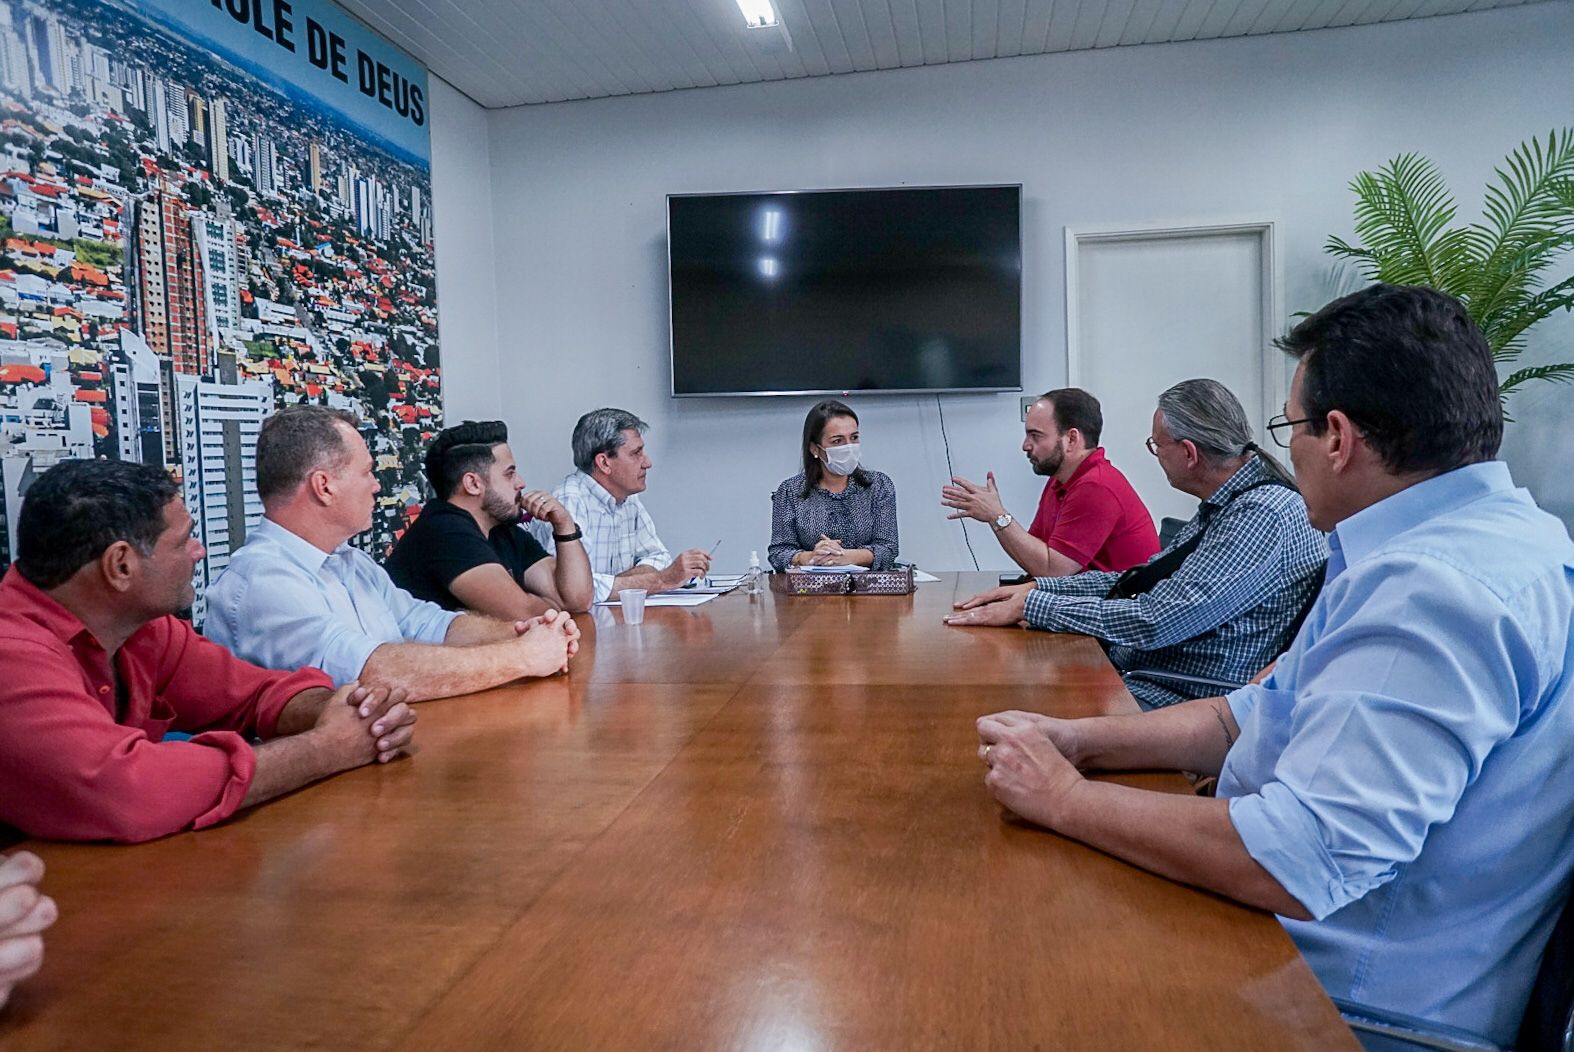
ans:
(1525, 208)
(1517, 305)
(1499, 267)
(1510, 326)
(1563, 190)
(1559, 373)
(1401, 216)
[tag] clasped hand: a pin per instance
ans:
(371, 722)
(24, 915)
(1030, 770)
(557, 634)
(828, 551)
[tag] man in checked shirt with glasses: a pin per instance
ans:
(1224, 598)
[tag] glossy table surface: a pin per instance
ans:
(754, 824)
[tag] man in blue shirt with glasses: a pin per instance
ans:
(1401, 788)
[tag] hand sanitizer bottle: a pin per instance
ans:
(754, 584)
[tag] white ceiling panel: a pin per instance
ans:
(520, 52)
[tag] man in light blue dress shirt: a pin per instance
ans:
(296, 594)
(1401, 788)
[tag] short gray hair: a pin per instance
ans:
(601, 431)
(296, 441)
(1207, 414)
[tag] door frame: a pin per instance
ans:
(1275, 374)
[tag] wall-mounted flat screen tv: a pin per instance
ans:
(824, 291)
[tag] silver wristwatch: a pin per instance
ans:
(1002, 522)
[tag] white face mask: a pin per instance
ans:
(841, 460)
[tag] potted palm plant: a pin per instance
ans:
(1510, 270)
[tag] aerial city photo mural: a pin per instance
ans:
(210, 209)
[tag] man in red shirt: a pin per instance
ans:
(97, 669)
(1088, 517)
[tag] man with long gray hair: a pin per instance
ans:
(603, 497)
(1224, 599)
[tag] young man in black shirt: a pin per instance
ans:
(467, 550)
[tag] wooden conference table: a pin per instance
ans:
(759, 823)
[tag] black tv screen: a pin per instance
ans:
(846, 290)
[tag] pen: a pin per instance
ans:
(695, 580)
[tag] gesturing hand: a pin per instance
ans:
(971, 500)
(1027, 772)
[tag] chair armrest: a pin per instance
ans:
(1179, 677)
(1380, 1030)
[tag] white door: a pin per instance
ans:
(1150, 309)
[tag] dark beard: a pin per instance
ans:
(498, 507)
(1048, 466)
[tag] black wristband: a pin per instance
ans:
(564, 538)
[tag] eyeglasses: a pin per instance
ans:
(1153, 447)
(1283, 423)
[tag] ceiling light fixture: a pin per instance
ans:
(757, 14)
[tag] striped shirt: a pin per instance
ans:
(859, 517)
(618, 535)
(1224, 614)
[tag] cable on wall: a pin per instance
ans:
(951, 474)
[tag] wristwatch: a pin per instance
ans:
(1002, 522)
(564, 538)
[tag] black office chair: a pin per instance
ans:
(1549, 1017)
(1168, 528)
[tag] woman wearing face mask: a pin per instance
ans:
(835, 513)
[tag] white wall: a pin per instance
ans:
(1172, 134)
(463, 221)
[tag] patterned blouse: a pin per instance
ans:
(859, 517)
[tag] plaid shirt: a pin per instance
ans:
(618, 537)
(1223, 614)
(859, 517)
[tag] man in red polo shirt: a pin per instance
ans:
(1089, 517)
(97, 669)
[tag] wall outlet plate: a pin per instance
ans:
(1027, 403)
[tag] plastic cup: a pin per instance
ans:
(633, 600)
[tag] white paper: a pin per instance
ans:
(831, 569)
(669, 599)
(924, 578)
